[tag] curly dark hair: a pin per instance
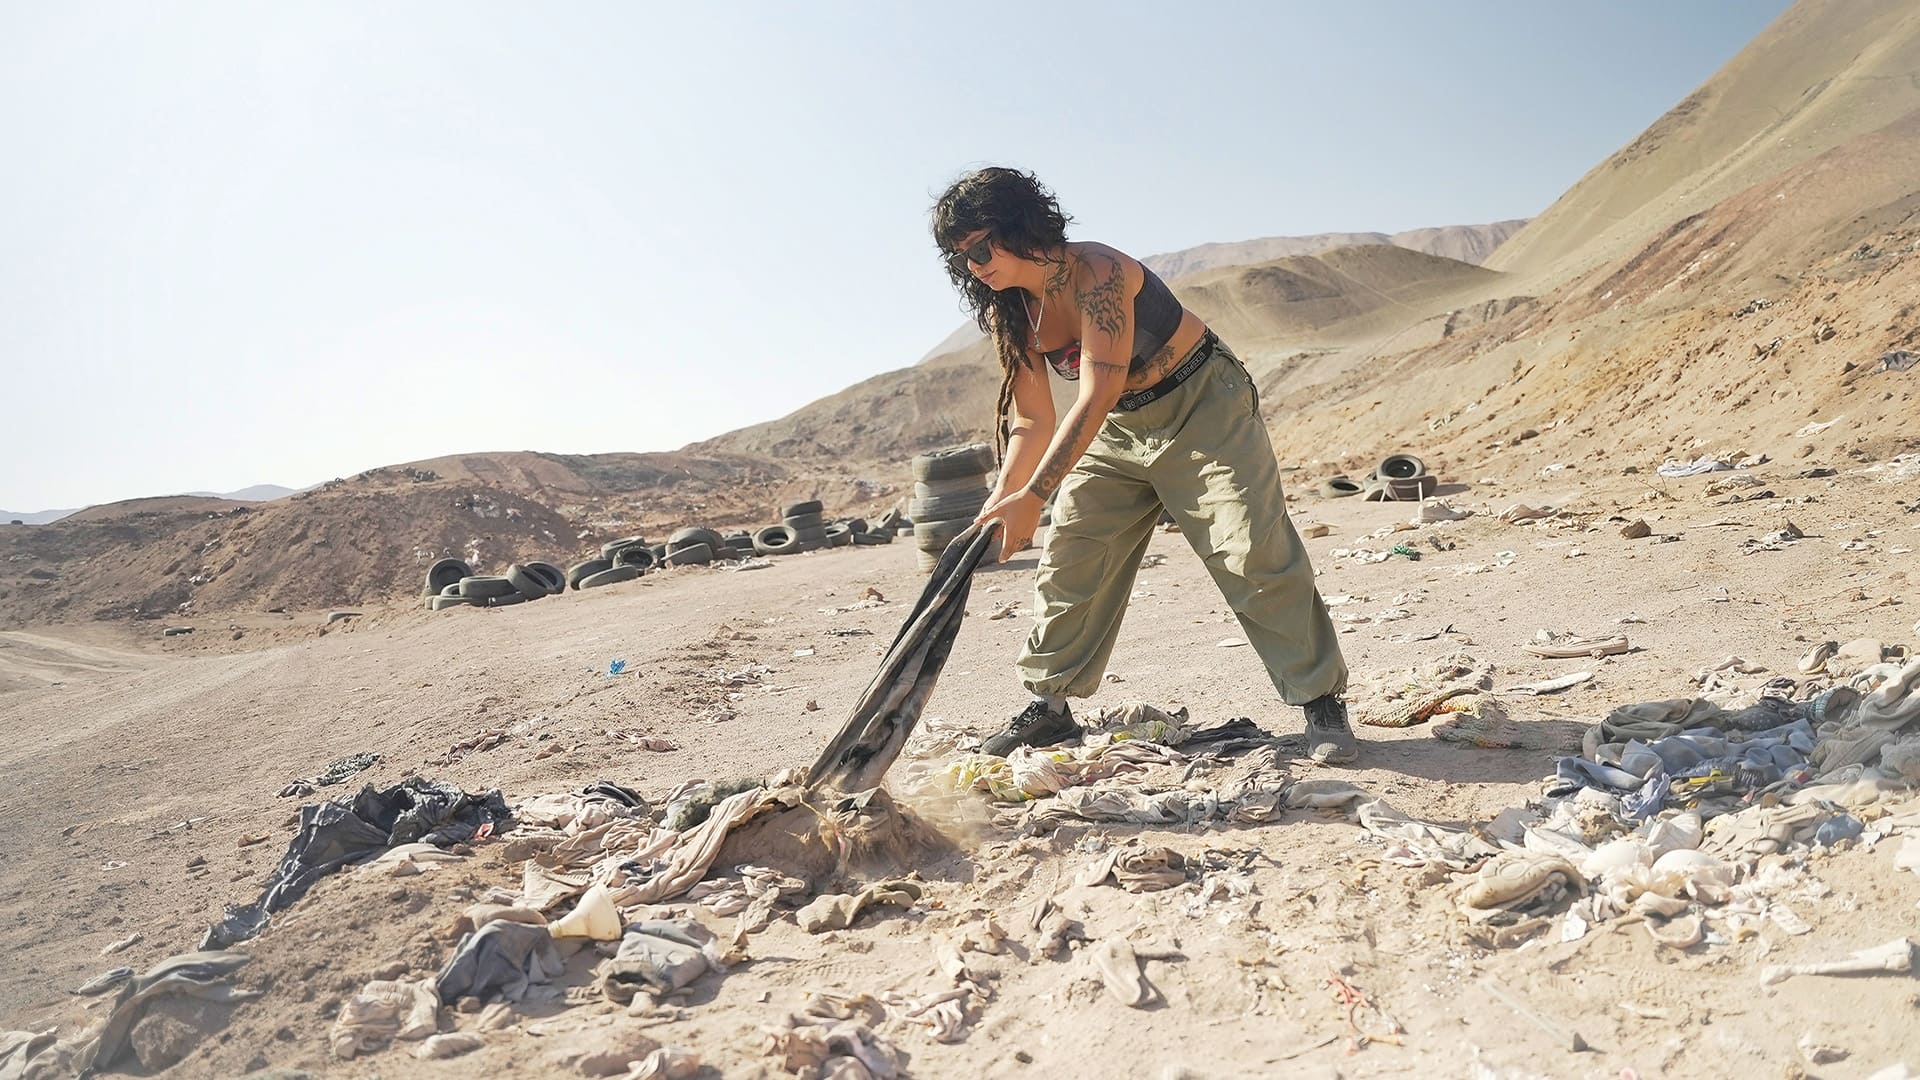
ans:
(1024, 219)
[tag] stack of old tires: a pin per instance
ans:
(620, 560)
(1398, 478)
(949, 489)
(801, 528)
(452, 583)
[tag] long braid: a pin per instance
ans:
(1013, 357)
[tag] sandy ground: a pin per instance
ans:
(113, 744)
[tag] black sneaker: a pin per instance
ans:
(1329, 737)
(1036, 725)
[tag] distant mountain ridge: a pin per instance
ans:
(1462, 243)
(255, 493)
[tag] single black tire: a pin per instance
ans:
(1339, 487)
(442, 603)
(555, 577)
(739, 543)
(858, 525)
(804, 521)
(686, 538)
(887, 521)
(809, 539)
(965, 485)
(610, 577)
(1400, 467)
(839, 535)
(506, 601)
(948, 507)
(775, 540)
(691, 555)
(872, 539)
(636, 555)
(953, 462)
(580, 571)
(802, 509)
(934, 536)
(451, 590)
(444, 573)
(530, 585)
(1411, 489)
(485, 587)
(607, 549)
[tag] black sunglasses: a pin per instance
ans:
(979, 253)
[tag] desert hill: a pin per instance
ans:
(1297, 302)
(1825, 73)
(1464, 243)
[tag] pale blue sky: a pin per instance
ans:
(281, 242)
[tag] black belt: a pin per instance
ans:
(1140, 399)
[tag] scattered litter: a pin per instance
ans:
(1387, 1029)
(383, 1010)
(1438, 510)
(615, 667)
(1693, 468)
(1564, 644)
(1120, 971)
(103, 982)
(837, 911)
(1552, 686)
(1817, 428)
(123, 944)
(337, 773)
(1893, 958)
(643, 742)
(1520, 512)
(1899, 360)
(475, 744)
(1230, 643)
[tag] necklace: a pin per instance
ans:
(1034, 323)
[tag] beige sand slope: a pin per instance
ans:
(1824, 73)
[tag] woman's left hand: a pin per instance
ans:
(1019, 516)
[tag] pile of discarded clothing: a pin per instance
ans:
(1136, 764)
(1689, 815)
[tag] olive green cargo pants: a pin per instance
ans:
(1203, 453)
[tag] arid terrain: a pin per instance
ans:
(1739, 284)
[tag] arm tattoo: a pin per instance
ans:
(1101, 301)
(1060, 462)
